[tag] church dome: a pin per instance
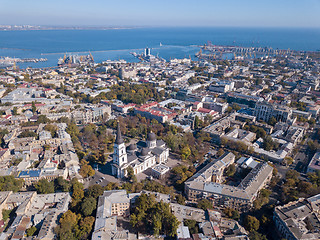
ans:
(144, 152)
(151, 136)
(132, 147)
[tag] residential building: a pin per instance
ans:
(222, 86)
(32, 209)
(299, 220)
(264, 111)
(314, 164)
(110, 205)
(207, 183)
(154, 111)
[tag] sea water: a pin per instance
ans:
(115, 44)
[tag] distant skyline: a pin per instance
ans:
(140, 13)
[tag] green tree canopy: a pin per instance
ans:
(205, 204)
(88, 205)
(43, 186)
(150, 216)
(86, 171)
(251, 223)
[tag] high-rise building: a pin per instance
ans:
(147, 52)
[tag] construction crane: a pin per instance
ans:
(91, 57)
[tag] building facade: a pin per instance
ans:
(207, 183)
(264, 111)
(140, 156)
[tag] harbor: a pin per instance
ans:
(10, 62)
(217, 52)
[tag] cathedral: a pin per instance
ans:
(140, 156)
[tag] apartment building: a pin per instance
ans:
(207, 183)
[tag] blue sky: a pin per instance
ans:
(238, 13)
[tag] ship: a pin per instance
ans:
(73, 60)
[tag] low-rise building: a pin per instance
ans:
(110, 205)
(222, 86)
(159, 170)
(314, 164)
(299, 220)
(154, 111)
(32, 209)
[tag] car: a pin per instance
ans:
(103, 178)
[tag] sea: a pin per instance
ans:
(167, 43)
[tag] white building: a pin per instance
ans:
(222, 86)
(145, 155)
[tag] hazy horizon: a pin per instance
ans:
(143, 13)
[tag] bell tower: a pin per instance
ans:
(119, 149)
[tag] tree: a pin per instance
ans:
(153, 217)
(86, 225)
(254, 235)
(86, 171)
(314, 177)
(197, 122)
(185, 153)
(94, 191)
(130, 175)
(52, 129)
(77, 194)
(88, 206)
(73, 129)
(61, 184)
(288, 160)
(77, 190)
(43, 119)
(27, 133)
(232, 213)
(33, 108)
(180, 199)
(67, 222)
(192, 225)
(262, 199)
(230, 170)
(9, 183)
(15, 111)
(44, 186)
(304, 187)
(223, 141)
(313, 145)
(272, 121)
(181, 174)
(269, 144)
(6, 214)
(205, 204)
(31, 231)
(292, 174)
(251, 223)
